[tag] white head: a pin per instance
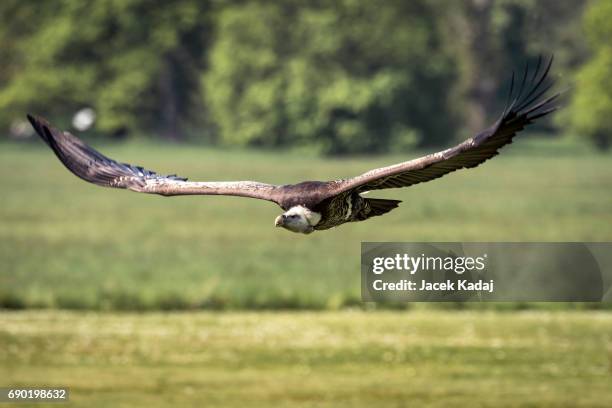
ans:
(298, 219)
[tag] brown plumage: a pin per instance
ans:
(316, 205)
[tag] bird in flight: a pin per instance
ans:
(319, 205)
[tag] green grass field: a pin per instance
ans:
(308, 359)
(65, 243)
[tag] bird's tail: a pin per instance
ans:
(380, 206)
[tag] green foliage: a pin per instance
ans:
(591, 109)
(348, 77)
(126, 59)
(337, 77)
(492, 38)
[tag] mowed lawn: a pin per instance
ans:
(65, 243)
(304, 359)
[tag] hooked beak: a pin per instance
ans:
(278, 222)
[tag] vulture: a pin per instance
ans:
(319, 205)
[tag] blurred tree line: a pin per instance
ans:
(347, 76)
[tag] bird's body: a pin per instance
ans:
(316, 205)
(334, 211)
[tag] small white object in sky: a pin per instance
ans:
(20, 129)
(83, 119)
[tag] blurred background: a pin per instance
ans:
(280, 92)
(332, 77)
(283, 92)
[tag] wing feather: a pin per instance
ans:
(92, 166)
(528, 104)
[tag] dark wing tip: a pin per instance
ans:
(36, 121)
(33, 119)
(534, 98)
(41, 126)
(89, 164)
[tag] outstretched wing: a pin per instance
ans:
(529, 104)
(94, 167)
